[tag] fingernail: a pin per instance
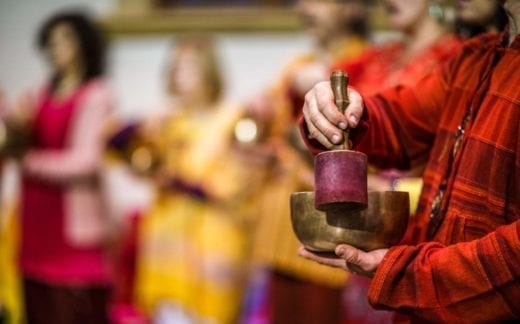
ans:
(342, 125)
(335, 138)
(353, 119)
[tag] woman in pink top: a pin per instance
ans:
(64, 227)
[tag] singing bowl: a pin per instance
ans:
(381, 225)
(14, 139)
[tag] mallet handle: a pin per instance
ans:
(339, 85)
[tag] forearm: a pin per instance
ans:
(401, 128)
(475, 281)
(62, 166)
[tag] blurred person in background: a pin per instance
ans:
(192, 243)
(64, 230)
(284, 288)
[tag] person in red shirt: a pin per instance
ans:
(462, 262)
(64, 224)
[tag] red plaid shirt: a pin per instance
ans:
(463, 261)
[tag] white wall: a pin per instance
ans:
(20, 66)
(250, 62)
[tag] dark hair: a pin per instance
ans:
(468, 30)
(90, 39)
(360, 25)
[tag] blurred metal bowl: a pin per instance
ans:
(14, 139)
(381, 225)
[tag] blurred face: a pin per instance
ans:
(185, 77)
(477, 12)
(404, 15)
(62, 48)
(323, 18)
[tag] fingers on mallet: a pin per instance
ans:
(325, 102)
(331, 132)
(323, 114)
(317, 135)
(315, 118)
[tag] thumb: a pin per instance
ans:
(349, 253)
(354, 256)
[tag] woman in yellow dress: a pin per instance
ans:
(192, 243)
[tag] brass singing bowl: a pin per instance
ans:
(381, 225)
(14, 139)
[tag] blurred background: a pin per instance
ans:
(140, 34)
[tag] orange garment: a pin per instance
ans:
(464, 264)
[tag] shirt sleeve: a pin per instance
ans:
(399, 124)
(473, 281)
(83, 158)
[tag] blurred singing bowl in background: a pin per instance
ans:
(381, 225)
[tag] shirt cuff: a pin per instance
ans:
(379, 281)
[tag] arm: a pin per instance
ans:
(473, 281)
(82, 159)
(396, 127)
(449, 283)
(476, 281)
